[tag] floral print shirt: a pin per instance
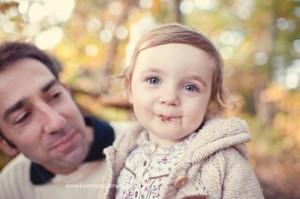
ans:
(147, 168)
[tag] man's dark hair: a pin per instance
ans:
(13, 51)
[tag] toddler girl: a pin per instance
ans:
(180, 147)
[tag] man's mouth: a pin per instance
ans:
(64, 143)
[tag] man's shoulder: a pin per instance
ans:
(14, 178)
(18, 165)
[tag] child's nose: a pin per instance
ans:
(169, 98)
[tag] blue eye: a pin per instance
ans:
(191, 88)
(153, 80)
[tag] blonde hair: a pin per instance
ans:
(177, 33)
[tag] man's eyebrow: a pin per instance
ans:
(47, 86)
(18, 105)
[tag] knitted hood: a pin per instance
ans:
(218, 134)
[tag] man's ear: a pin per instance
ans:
(9, 150)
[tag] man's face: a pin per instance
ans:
(39, 116)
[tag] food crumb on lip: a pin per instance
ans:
(167, 118)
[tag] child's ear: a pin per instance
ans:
(129, 95)
(128, 90)
(9, 150)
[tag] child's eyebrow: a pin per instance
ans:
(198, 78)
(188, 77)
(153, 70)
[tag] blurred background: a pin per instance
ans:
(259, 42)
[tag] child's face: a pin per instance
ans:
(170, 90)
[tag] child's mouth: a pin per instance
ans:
(166, 118)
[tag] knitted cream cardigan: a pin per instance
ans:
(214, 164)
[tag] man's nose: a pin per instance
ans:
(169, 97)
(53, 121)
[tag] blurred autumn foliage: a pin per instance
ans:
(259, 41)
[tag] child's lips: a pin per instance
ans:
(168, 117)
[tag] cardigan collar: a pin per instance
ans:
(39, 175)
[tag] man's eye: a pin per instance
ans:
(191, 88)
(22, 118)
(153, 80)
(55, 96)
